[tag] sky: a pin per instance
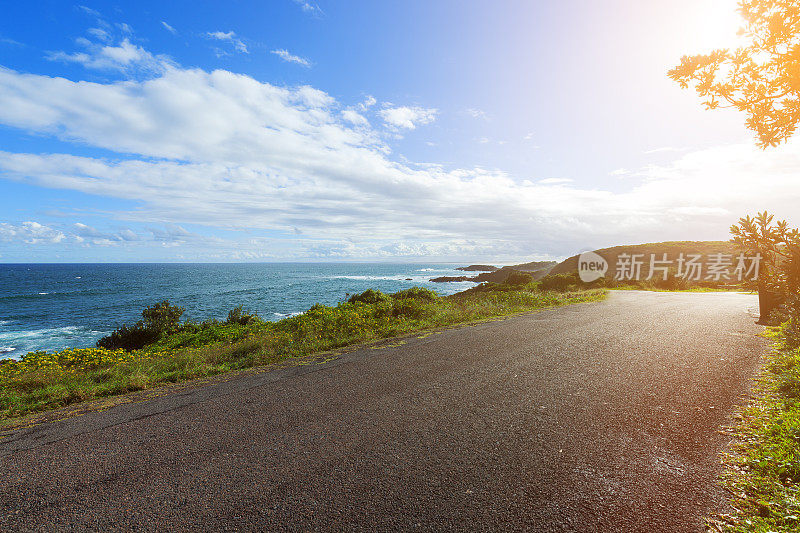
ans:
(291, 130)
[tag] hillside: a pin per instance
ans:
(536, 269)
(535, 266)
(673, 249)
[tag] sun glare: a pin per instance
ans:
(712, 24)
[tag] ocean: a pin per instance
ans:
(56, 306)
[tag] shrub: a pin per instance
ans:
(418, 293)
(163, 317)
(518, 278)
(159, 320)
(410, 308)
(369, 296)
(238, 316)
(129, 337)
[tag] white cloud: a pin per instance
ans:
(291, 58)
(29, 233)
(475, 113)
(664, 149)
(408, 117)
(225, 150)
(99, 33)
(368, 102)
(87, 235)
(554, 181)
(89, 11)
(354, 117)
(309, 7)
(35, 233)
(125, 57)
(169, 28)
(6, 40)
(229, 37)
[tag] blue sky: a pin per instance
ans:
(409, 131)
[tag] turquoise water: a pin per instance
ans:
(55, 306)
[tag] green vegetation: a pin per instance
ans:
(160, 320)
(763, 474)
(181, 351)
(779, 280)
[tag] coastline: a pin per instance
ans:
(85, 302)
(188, 350)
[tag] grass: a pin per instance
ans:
(41, 381)
(763, 472)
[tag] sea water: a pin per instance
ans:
(56, 306)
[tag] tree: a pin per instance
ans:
(761, 78)
(779, 248)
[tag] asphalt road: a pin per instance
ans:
(593, 417)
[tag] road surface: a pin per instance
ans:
(593, 417)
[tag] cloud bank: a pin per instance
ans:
(224, 150)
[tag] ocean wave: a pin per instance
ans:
(398, 277)
(19, 342)
(65, 331)
(288, 315)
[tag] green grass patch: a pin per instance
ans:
(763, 471)
(42, 381)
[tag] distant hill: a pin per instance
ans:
(535, 266)
(548, 270)
(672, 248)
(537, 270)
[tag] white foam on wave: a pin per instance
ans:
(288, 315)
(398, 277)
(43, 293)
(6, 349)
(45, 332)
